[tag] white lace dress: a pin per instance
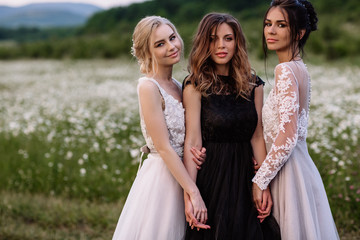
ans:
(300, 206)
(154, 209)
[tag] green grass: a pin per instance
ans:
(69, 139)
(33, 216)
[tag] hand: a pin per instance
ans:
(199, 208)
(189, 214)
(266, 206)
(256, 165)
(257, 197)
(198, 156)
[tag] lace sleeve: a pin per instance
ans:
(287, 101)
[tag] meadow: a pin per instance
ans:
(69, 140)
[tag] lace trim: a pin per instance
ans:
(280, 113)
(174, 118)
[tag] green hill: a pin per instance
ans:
(107, 34)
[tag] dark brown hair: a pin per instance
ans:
(301, 16)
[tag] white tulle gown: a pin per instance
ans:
(154, 209)
(300, 206)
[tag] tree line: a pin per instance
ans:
(107, 34)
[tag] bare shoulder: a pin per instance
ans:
(147, 88)
(190, 90)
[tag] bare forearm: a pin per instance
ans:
(178, 170)
(259, 149)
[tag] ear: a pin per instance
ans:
(302, 33)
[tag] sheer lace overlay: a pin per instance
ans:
(174, 117)
(285, 118)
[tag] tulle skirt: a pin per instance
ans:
(225, 184)
(301, 206)
(154, 208)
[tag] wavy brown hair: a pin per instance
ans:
(202, 68)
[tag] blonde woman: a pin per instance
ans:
(154, 208)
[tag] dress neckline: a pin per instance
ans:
(174, 81)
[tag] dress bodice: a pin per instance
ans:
(225, 118)
(174, 118)
(285, 117)
(228, 118)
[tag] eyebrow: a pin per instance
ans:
(162, 40)
(226, 35)
(268, 20)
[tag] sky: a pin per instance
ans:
(101, 3)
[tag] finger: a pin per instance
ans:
(201, 153)
(268, 209)
(197, 216)
(193, 221)
(194, 151)
(258, 203)
(192, 218)
(187, 218)
(261, 212)
(203, 217)
(196, 161)
(203, 150)
(202, 226)
(263, 205)
(198, 154)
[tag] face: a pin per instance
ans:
(277, 31)
(222, 47)
(165, 46)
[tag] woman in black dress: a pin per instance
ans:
(223, 102)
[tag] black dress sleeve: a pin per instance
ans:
(259, 81)
(186, 82)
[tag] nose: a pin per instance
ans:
(271, 29)
(171, 46)
(220, 43)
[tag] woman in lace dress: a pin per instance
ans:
(154, 208)
(223, 101)
(300, 203)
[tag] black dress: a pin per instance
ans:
(227, 125)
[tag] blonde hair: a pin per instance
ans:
(201, 67)
(141, 41)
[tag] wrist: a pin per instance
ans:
(193, 192)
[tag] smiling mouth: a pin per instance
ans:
(174, 54)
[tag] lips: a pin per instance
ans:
(175, 54)
(271, 40)
(221, 54)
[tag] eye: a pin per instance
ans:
(172, 37)
(229, 38)
(159, 45)
(267, 24)
(212, 38)
(282, 25)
